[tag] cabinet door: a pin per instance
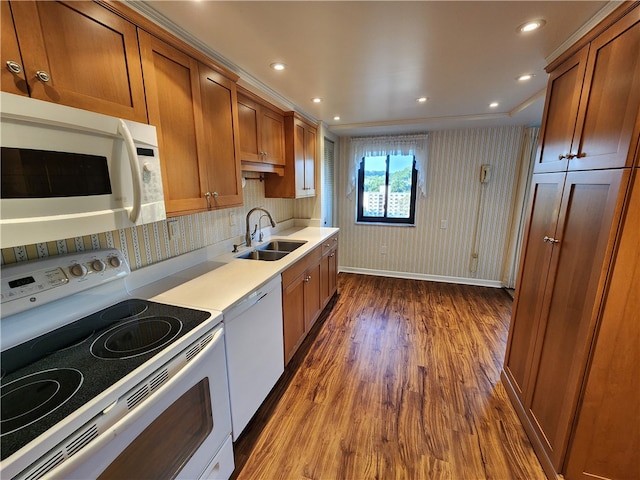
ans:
(248, 117)
(272, 135)
(590, 205)
(544, 201)
(324, 279)
(560, 114)
(607, 437)
(610, 99)
(312, 306)
(89, 53)
(299, 158)
(218, 145)
(293, 314)
(173, 92)
(11, 81)
(333, 272)
(310, 161)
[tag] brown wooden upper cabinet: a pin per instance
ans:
(74, 53)
(592, 103)
(261, 135)
(299, 179)
(194, 109)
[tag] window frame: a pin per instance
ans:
(361, 218)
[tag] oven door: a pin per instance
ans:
(175, 433)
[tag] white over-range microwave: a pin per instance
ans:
(68, 172)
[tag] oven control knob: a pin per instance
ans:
(78, 270)
(115, 262)
(98, 265)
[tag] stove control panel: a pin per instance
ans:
(30, 284)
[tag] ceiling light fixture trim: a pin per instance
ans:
(531, 26)
(279, 66)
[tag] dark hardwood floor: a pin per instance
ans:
(399, 379)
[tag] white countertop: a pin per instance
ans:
(218, 283)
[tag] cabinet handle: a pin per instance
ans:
(42, 76)
(571, 155)
(581, 155)
(208, 197)
(333, 254)
(550, 240)
(563, 155)
(307, 279)
(14, 67)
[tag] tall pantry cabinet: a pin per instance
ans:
(561, 333)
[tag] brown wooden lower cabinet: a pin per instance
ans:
(307, 287)
(329, 269)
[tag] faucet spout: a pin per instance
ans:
(248, 236)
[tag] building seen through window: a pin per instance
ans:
(387, 189)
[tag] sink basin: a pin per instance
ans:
(268, 255)
(282, 245)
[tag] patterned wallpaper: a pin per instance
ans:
(148, 244)
(455, 195)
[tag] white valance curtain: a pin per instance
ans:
(417, 145)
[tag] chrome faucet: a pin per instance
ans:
(248, 235)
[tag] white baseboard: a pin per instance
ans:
(479, 282)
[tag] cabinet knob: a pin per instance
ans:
(563, 156)
(215, 194)
(14, 67)
(42, 76)
(550, 240)
(333, 254)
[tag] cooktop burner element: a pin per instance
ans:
(32, 397)
(132, 331)
(123, 310)
(136, 337)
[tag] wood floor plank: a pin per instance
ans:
(399, 379)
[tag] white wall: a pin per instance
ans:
(453, 194)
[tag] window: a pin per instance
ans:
(387, 189)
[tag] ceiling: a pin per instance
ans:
(370, 61)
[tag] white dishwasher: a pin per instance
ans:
(255, 351)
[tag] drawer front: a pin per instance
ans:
(329, 244)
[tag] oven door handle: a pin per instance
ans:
(123, 130)
(71, 464)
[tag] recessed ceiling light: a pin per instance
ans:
(531, 26)
(336, 118)
(278, 66)
(316, 100)
(421, 99)
(525, 77)
(493, 104)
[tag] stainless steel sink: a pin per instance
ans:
(282, 245)
(268, 255)
(274, 250)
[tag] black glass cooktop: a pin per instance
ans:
(46, 379)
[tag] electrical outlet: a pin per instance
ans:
(444, 224)
(174, 230)
(383, 250)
